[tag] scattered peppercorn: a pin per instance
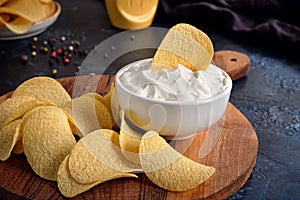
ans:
(33, 53)
(66, 60)
(64, 49)
(69, 55)
(35, 39)
(63, 38)
(53, 54)
(24, 59)
(71, 48)
(33, 47)
(52, 40)
(60, 51)
(54, 71)
(75, 43)
(45, 49)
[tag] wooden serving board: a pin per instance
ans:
(230, 146)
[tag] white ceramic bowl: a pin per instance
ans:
(171, 119)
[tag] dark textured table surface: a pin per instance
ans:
(269, 96)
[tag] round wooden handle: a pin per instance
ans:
(236, 64)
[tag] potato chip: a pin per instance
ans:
(9, 105)
(27, 106)
(3, 2)
(6, 17)
(177, 45)
(108, 96)
(18, 148)
(89, 114)
(30, 10)
(46, 1)
(48, 9)
(47, 139)
(100, 98)
(19, 25)
(8, 138)
(72, 124)
(23, 112)
(44, 88)
(67, 185)
(23, 14)
(106, 100)
(97, 157)
(129, 142)
(167, 168)
(115, 107)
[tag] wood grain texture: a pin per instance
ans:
(236, 64)
(230, 146)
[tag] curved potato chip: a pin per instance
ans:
(180, 174)
(129, 142)
(3, 2)
(10, 104)
(44, 88)
(18, 148)
(4, 17)
(108, 96)
(30, 10)
(19, 25)
(106, 100)
(177, 45)
(27, 106)
(47, 139)
(67, 185)
(9, 136)
(89, 114)
(48, 9)
(97, 157)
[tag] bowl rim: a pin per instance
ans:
(222, 94)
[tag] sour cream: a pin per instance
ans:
(180, 84)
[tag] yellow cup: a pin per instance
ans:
(131, 14)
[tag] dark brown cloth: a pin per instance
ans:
(272, 22)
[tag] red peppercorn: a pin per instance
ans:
(66, 60)
(69, 55)
(59, 51)
(24, 59)
(52, 40)
(53, 54)
(33, 47)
